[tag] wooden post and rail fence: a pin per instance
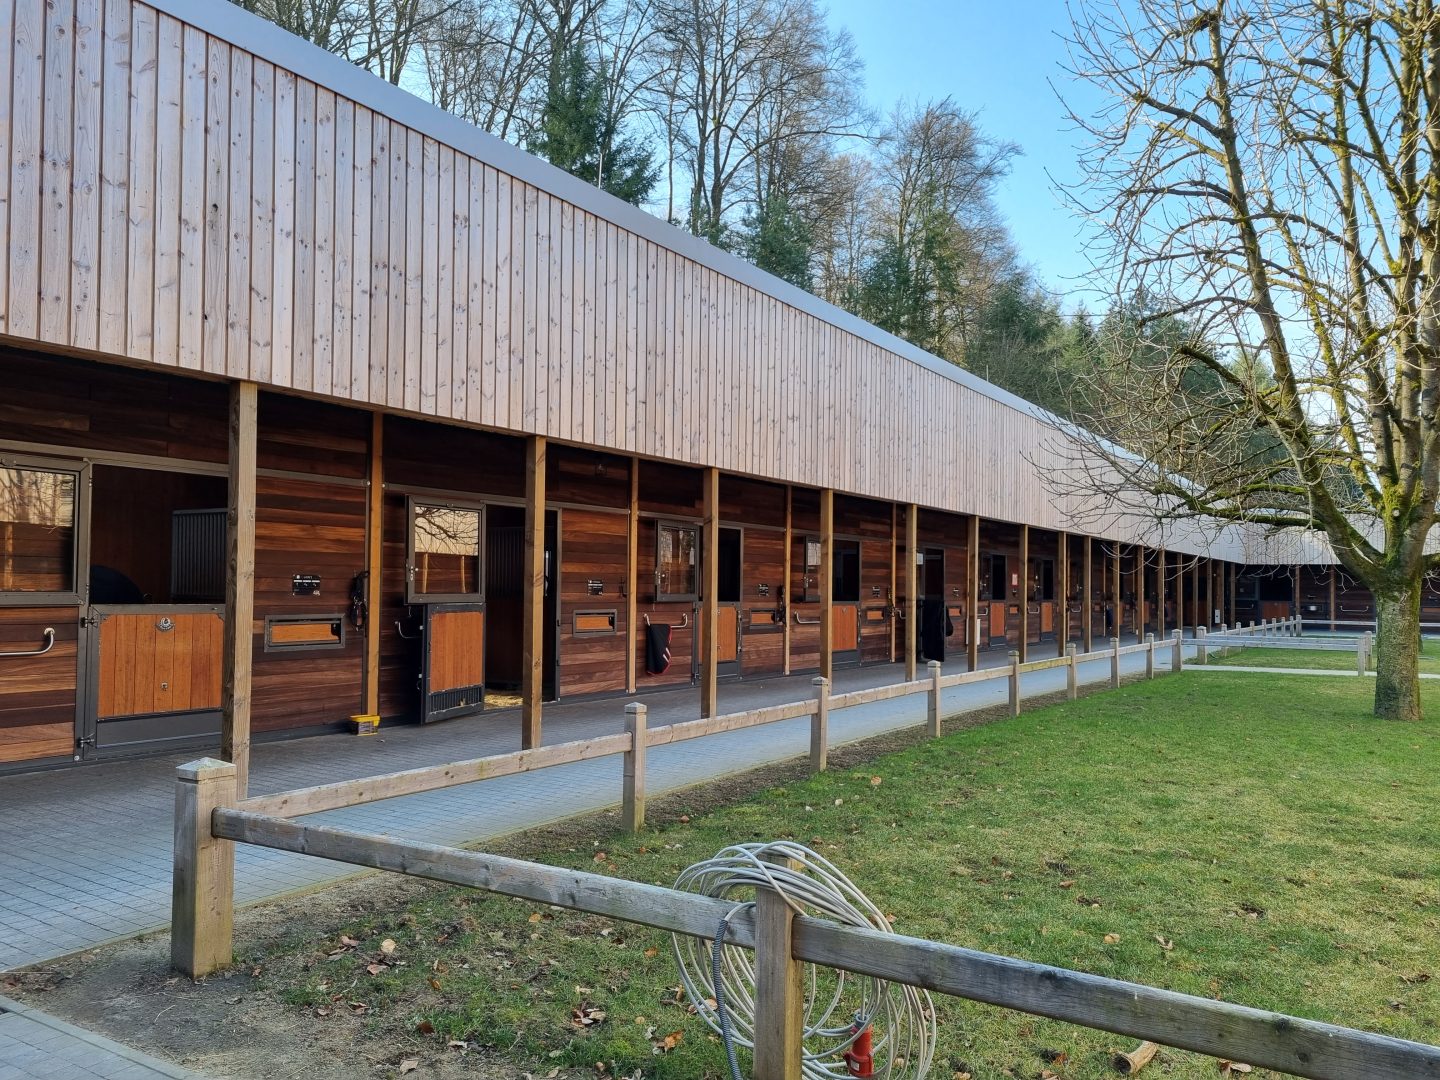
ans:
(210, 820)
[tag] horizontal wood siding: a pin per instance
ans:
(176, 200)
(37, 707)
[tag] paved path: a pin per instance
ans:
(36, 1046)
(87, 851)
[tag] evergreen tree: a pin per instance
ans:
(578, 134)
(777, 239)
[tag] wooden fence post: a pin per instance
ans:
(632, 799)
(1224, 632)
(1149, 656)
(1072, 682)
(779, 990)
(820, 725)
(1014, 682)
(1362, 654)
(933, 711)
(1114, 663)
(1201, 653)
(202, 897)
(1177, 656)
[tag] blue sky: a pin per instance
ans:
(998, 59)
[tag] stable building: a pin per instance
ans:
(319, 407)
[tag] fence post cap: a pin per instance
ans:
(933, 664)
(1115, 642)
(635, 707)
(1070, 648)
(206, 768)
(1149, 637)
(1014, 654)
(1177, 634)
(819, 680)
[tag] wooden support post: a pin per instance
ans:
(1062, 631)
(710, 596)
(1194, 595)
(202, 891)
(1087, 586)
(1332, 599)
(1202, 654)
(239, 632)
(827, 583)
(932, 712)
(1114, 662)
(532, 644)
(632, 577)
(1177, 654)
(783, 601)
(1362, 654)
(1072, 676)
(1234, 592)
(369, 718)
(1142, 593)
(1117, 593)
(911, 642)
(1294, 592)
(972, 593)
(1024, 647)
(1015, 682)
(632, 799)
(1161, 573)
(779, 990)
(820, 725)
(1149, 656)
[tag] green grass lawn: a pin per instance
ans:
(1265, 842)
(1317, 660)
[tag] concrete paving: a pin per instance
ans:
(87, 851)
(37, 1046)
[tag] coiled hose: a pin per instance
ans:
(839, 1006)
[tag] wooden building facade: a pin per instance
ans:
(316, 402)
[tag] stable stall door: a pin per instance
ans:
(727, 637)
(845, 610)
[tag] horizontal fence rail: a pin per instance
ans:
(1305, 1048)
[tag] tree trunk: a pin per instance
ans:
(1397, 653)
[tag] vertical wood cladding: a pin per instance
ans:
(241, 219)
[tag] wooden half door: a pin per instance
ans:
(452, 679)
(156, 675)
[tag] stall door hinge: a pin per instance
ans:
(85, 741)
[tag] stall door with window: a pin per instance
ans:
(845, 612)
(445, 574)
(728, 602)
(42, 518)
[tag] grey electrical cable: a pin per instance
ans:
(720, 978)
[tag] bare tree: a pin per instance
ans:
(1267, 175)
(379, 35)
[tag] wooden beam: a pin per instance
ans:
(783, 601)
(374, 565)
(1142, 593)
(912, 587)
(1024, 647)
(972, 597)
(709, 594)
(1294, 591)
(1062, 630)
(1087, 588)
(632, 576)
(1332, 597)
(239, 584)
(1160, 582)
(532, 645)
(1234, 593)
(827, 582)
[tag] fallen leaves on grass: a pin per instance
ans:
(387, 947)
(409, 1065)
(1111, 939)
(587, 1015)
(1164, 942)
(1230, 1068)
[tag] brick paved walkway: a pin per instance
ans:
(87, 851)
(37, 1046)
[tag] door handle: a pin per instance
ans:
(48, 634)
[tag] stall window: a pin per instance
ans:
(1045, 580)
(846, 577)
(998, 584)
(39, 511)
(446, 541)
(677, 557)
